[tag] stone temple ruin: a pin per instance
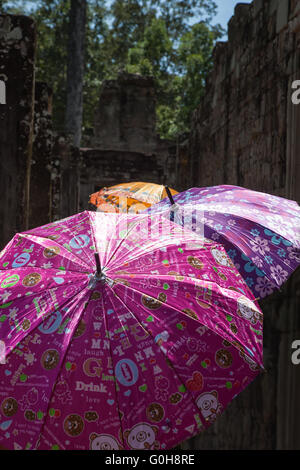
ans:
(43, 176)
(125, 146)
(246, 132)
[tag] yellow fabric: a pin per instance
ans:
(129, 197)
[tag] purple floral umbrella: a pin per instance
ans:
(119, 332)
(260, 232)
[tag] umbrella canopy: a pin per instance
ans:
(129, 197)
(260, 232)
(141, 350)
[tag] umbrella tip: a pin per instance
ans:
(98, 265)
(169, 195)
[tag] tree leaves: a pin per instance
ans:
(169, 40)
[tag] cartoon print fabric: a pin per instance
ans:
(143, 356)
(129, 197)
(260, 232)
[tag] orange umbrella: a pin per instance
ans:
(130, 197)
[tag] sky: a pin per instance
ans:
(225, 11)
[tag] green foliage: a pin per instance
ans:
(179, 70)
(151, 51)
(163, 39)
(52, 27)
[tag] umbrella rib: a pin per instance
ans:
(238, 248)
(259, 203)
(83, 273)
(159, 350)
(96, 253)
(28, 235)
(174, 308)
(192, 237)
(39, 293)
(118, 246)
(176, 373)
(42, 318)
(159, 276)
(80, 261)
(111, 355)
(261, 227)
(60, 368)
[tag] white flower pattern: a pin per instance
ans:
(4, 296)
(279, 274)
(264, 287)
(260, 245)
(294, 253)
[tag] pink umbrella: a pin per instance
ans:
(119, 332)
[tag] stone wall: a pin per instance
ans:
(125, 145)
(44, 177)
(241, 127)
(101, 168)
(67, 157)
(125, 115)
(246, 132)
(17, 53)
(40, 179)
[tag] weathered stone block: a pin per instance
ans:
(40, 179)
(273, 5)
(125, 117)
(294, 8)
(108, 167)
(251, 138)
(17, 53)
(257, 6)
(282, 15)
